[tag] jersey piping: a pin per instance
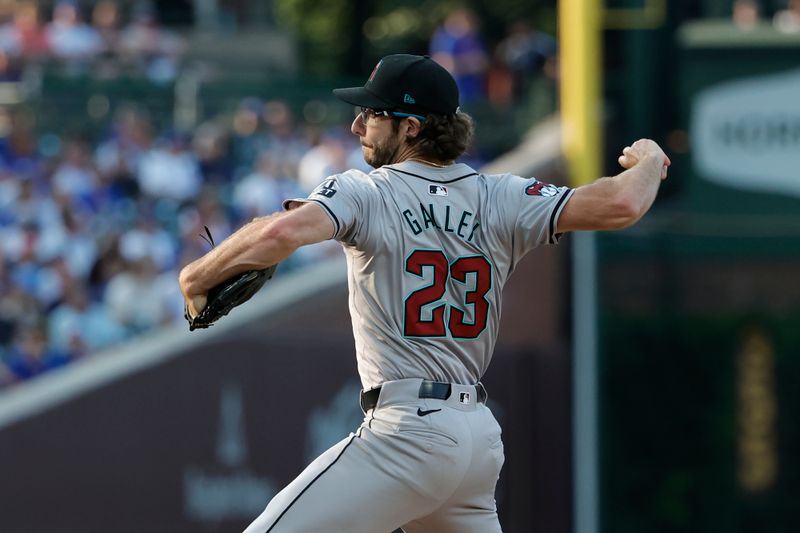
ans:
(353, 437)
(331, 214)
(431, 180)
(287, 205)
(552, 232)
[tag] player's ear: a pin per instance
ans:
(414, 126)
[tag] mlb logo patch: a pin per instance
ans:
(463, 397)
(437, 190)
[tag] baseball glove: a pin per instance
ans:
(227, 295)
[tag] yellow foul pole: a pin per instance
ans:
(580, 50)
(580, 47)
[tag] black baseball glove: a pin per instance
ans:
(227, 295)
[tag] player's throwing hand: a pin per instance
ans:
(631, 155)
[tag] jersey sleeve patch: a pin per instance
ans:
(540, 188)
(327, 188)
(346, 198)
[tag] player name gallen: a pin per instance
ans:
(442, 218)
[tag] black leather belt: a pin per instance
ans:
(428, 389)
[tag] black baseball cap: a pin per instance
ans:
(415, 84)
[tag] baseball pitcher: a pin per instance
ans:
(430, 243)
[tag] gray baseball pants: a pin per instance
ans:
(423, 464)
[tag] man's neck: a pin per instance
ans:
(408, 153)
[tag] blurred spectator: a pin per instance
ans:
(262, 192)
(328, 157)
(457, 46)
(17, 308)
(70, 38)
(80, 326)
(283, 137)
(106, 21)
(109, 263)
(44, 280)
(169, 169)
(21, 243)
(78, 246)
(117, 158)
(32, 35)
(30, 355)
(155, 50)
(10, 39)
(10, 188)
(788, 20)
(10, 70)
(246, 139)
(526, 53)
(207, 211)
(11, 45)
(18, 149)
(75, 177)
(746, 14)
(210, 143)
(34, 205)
(133, 299)
(148, 240)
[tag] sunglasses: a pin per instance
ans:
(367, 112)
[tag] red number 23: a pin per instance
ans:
(415, 326)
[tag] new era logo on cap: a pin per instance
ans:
(437, 190)
(408, 99)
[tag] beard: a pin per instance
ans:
(382, 152)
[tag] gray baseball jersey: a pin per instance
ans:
(429, 251)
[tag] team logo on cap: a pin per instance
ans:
(539, 188)
(437, 190)
(375, 70)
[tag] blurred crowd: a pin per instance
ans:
(750, 14)
(93, 233)
(501, 74)
(79, 38)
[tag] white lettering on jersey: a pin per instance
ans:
(449, 220)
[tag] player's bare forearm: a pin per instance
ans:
(639, 187)
(619, 201)
(263, 242)
(249, 248)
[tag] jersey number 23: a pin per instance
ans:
(476, 289)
